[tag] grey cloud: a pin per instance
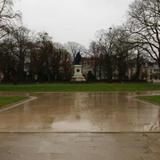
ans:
(72, 20)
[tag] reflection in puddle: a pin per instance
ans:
(82, 112)
(76, 126)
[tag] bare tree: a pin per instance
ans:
(113, 51)
(105, 49)
(49, 61)
(20, 42)
(144, 25)
(94, 53)
(73, 48)
(7, 17)
(123, 51)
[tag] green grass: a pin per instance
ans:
(68, 87)
(10, 100)
(151, 99)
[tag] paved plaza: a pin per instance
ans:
(74, 126)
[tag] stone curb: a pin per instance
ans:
(17, 104)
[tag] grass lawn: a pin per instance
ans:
(10, 100)
(152, 99)
(68, 87)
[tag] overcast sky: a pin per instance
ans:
(72, 20)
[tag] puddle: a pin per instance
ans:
(82, 112)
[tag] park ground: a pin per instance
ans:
(81, 121)
(79, 87)
(152, 99)
(9, 100)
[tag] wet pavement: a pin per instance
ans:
(82, 112)
(76, 126)
(80, 146)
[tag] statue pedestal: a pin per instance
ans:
(78, 76)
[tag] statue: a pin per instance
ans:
(77, 59)
(78, 76)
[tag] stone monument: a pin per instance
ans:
(78, 76)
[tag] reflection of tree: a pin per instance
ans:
(114, 112)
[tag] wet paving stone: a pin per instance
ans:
(74, 146)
